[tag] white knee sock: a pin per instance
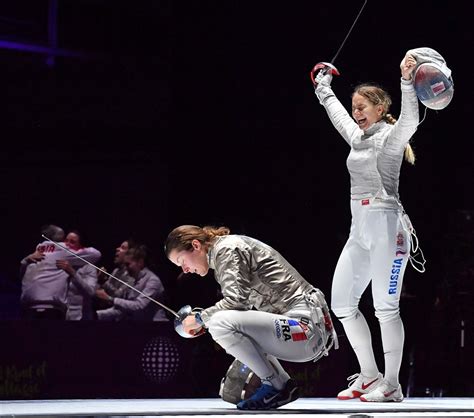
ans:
(358, 334)
(280, 376)
(393, 336)
(251, 355)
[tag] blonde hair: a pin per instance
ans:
(181, 238)
(410, 154)
(378, 96)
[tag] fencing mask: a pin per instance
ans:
(432, 78)
(239, 383)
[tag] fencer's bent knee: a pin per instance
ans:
(223, 328)
(383, 315)
(387, 315)
(220, 321)
(345, 312)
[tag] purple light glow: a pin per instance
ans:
(38, 49)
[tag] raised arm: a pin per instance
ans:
(338, 115)
(407, 123)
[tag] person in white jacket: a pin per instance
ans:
(82, 283)
(378, 247)
(45, 281)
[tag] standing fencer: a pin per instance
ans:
(268, 310)
(378, 247)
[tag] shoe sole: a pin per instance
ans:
(355, 394)
(292, 396)
(382, 401)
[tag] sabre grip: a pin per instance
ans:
(197, 317)
(183, 313)
(322, 69)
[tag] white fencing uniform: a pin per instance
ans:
(82, 287)
(44, 285)
(268, 310)
(378, 247)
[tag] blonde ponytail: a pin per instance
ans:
(389, 118)
(410, 154)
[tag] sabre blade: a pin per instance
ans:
(328, 67)
(348, 33)
(110, 275)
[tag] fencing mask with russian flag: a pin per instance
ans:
(432, 78)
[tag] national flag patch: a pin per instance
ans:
(401, 250)
(297, 330)
(438, 88)
(290, 329)
(400, 240)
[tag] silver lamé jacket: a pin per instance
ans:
(252, 274)
(376, 155)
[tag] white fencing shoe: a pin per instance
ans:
(384, 392)
(359, 385)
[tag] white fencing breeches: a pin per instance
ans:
(258, 339)
(377, 250)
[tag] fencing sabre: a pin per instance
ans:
(178, 316)
(328, 67)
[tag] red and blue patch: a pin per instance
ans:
(401, 248)
(290, 330)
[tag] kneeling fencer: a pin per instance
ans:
(268, 310)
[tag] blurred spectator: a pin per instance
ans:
(133, 305)
(53, 232)
(108, 286)
(82, 283)
(44, 285)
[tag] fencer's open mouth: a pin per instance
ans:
(361, 121)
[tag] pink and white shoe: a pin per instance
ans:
(384, 392)
(359, 385)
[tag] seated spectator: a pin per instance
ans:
(45, 285)
(108, 286)
(133, 305)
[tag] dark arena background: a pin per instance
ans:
(128, 118)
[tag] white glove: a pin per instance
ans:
(324, 78)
